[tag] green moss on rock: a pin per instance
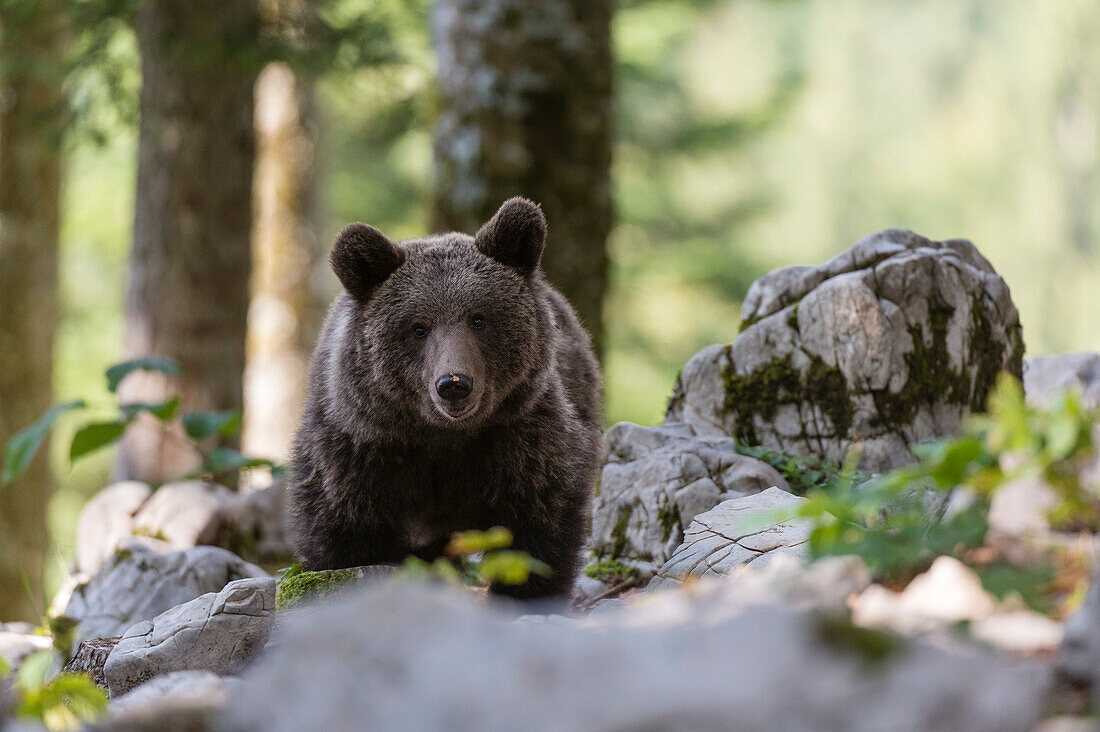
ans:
(298, 588)
(618, 532)
(761, 392)
(610, 571)
(668, 515)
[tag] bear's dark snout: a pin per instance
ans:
(454, 387)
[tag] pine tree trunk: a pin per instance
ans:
(526, 110)
(30, 177)
(286, 311)
(191, 255)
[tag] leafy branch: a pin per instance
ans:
(196, 428)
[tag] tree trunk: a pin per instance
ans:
(30, 178)
(191, 256)
(526, 110)
(286, 310)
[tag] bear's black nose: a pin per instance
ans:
(454, 387)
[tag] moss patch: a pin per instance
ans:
(668, 515)
(932, 379)
(761, 392)
(871, 646)
(618, 532)
(298, 588)
(610, 571)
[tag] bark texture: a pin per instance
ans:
(30, 176)
(526, 110)
(191, 256)
(286, 311)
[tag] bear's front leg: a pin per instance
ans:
(556, 543)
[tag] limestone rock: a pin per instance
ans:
(218, 632)
(740, 531)
(184, 514)
(1044, 376)
(890, 343)
(106, 521)
(405, 656)
(657, 479)
(141, 582)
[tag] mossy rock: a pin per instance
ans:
(893, 342)
(302, 587)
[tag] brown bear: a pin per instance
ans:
(452, 388)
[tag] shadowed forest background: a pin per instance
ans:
(742, 135)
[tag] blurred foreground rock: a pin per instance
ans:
(892, 342)
(409, 656)
(656, 480)
(181, 701)
(215, 632)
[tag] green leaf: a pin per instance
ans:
(120, 371)
(23, 445)
(225, 459)
(164, 411)
(510, 567)
(465, 543)
(92, 437)
(200, 425)
(34, 670)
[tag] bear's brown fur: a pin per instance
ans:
(452, 388)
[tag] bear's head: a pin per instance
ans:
(447, 330)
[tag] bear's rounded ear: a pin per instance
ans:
(363, 258)
(515, 235)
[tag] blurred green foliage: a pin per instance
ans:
(897, 522)
(61, 702)
(752, 134)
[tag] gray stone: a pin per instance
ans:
(140, 582)
(106, 521)
(404, 656)
(891, 343)
(751, 530)
(1045, 376)
(216, 632)
(657, 479)
(184, 514)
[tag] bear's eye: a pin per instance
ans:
(477, 322)
(419, 330)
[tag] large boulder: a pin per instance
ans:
(751, 531)
(216, 632)
(1045, 376)
(892, 342)
(144, 579)
(657, 479)
(404, 656)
